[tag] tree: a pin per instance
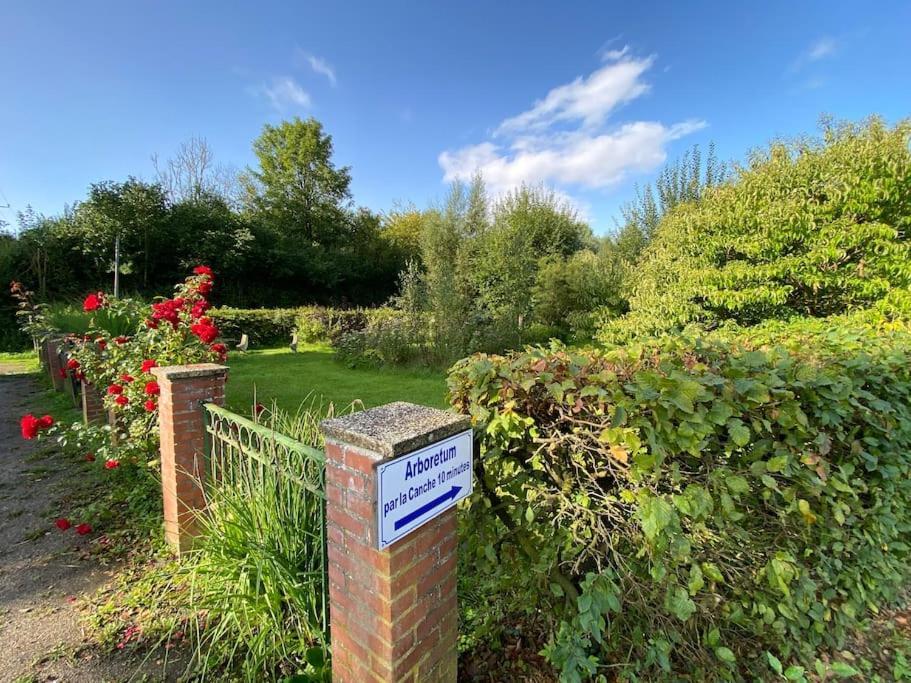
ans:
(297, 188)
(134, 211)
(806, 229)
(685, 180)
(192, 174)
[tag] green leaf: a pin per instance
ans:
(774, 662)
(794, 673)
(844, 670)
(725, 655)
(737, 484)
(678, 603)
(655, 515)
(739, 432)
(696, 581)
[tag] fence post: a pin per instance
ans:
(184, 389)
(393, 612)
(92, 405)
(53, 345)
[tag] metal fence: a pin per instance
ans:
(245, 458)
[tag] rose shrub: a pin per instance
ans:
(176, 331)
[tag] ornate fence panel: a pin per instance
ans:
(248, 459)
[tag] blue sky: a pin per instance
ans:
(588, 97)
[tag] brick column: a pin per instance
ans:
(393, 612)
(54, 366)
(184, 389)
(92, 405)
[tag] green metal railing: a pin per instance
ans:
(247, 456)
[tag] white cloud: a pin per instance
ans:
(322, 67)
(825, 47)
(563, 140)
(590, 99)
(284, 93)
(819, 50)
(577, 158)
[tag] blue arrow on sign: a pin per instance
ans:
(427, 507)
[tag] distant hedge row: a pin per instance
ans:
(713, 508)
(275, 326)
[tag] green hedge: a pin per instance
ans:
(263, 326)
(706, 509)
(274, 326)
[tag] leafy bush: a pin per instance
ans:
(264, 326)
(322, 324)
(807, 229)
(707, 507)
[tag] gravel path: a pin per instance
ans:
(43, 571)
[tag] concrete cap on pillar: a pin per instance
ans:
(189, 371)
(395, 428)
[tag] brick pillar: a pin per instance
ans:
(184, 389)
(92, 405)
(393, 612)
(54, 366)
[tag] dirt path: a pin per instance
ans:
(43, 570)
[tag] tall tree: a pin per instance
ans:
(297, 187)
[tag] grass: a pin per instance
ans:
(289, 379)
(18, 362)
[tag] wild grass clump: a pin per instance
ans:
(255, 581)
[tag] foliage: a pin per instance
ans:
(683, 506)
(472, 287)
(685, 180)
(809, 228)
(568, 290)
(265, 327)
(114, 321)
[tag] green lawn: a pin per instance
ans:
(18, 362)
(290, 378)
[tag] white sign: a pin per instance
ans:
(414, 488)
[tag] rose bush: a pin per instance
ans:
(176, 331)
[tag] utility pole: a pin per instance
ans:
(117, 266)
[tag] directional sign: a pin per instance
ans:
(416, 487)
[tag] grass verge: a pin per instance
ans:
(290, 379)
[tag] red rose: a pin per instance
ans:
(111, 464)
(61, 373)
(83, 529)
(221, 350)
(148, 364)
(121, 339)
(63, 524)
(203, 270)
(72, 364)
(152, 324)
(152, 389)
(93, 302)
(121, 400)
(199, 308)
(149, 406)
(205, 287)
(102, 344)
(126, 379)
(115, 390)
(206, 331)
(45, 422)
(90, 457)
